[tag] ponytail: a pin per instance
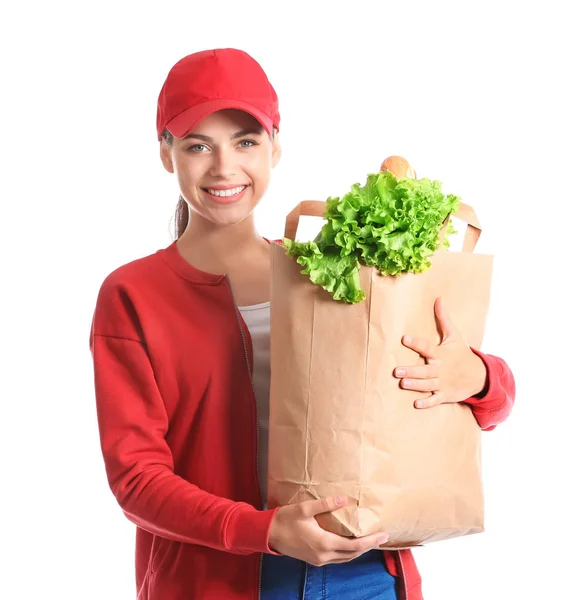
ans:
(181, 212)
(180, 218)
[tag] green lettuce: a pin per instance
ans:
(388, 224)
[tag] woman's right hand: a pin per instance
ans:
(295, 532)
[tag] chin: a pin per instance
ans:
(233, 215)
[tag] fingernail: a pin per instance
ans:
(407, 339)
(384, 539)
(400, 372)
(419, 404)
(339, 500)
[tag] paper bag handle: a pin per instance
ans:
(306, 208)
(467, 215)
(316, 208)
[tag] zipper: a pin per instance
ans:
(260, 571)
(403, 575)
(241, 329)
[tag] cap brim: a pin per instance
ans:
(183, 123)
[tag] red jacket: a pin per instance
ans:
(177, 423)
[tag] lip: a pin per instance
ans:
(225, 199)
(226, 187)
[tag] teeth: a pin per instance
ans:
(225, 193)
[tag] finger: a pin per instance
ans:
(430, 401)
(444, 322)
(338, 543)
(427, 371)
(343, 556)
(422, 346)
(311, 508)
(420, 385)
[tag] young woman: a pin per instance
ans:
(180, 342)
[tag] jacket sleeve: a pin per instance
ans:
(132, 424)
(494, 404)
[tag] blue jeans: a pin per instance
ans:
(364, 578)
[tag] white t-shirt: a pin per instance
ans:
(258, 320)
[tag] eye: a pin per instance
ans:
(248, 143)
(197, 148)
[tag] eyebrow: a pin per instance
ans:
(235, 136)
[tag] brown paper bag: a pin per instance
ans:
(339, 422)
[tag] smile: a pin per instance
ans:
(226, 196)
(226, 193)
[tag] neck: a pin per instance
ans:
(215, 247)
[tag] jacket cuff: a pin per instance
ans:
(495, 402)
(248, 530)
(492, 397)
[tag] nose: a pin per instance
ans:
(223, 164)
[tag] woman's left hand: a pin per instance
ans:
(452, 373)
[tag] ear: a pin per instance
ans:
(166, 156)
(276, 152)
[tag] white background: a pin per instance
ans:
(483, 96)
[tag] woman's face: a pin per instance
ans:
(223, 165)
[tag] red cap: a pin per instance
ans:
(202, 83)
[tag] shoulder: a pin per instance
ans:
(121, 289)
(134, 273)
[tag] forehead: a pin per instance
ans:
(227, 121)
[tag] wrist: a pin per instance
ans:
(480, 377)
(273, 536)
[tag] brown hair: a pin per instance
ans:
(181, 212)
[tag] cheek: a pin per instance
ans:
(261, 168)
(186, 172)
